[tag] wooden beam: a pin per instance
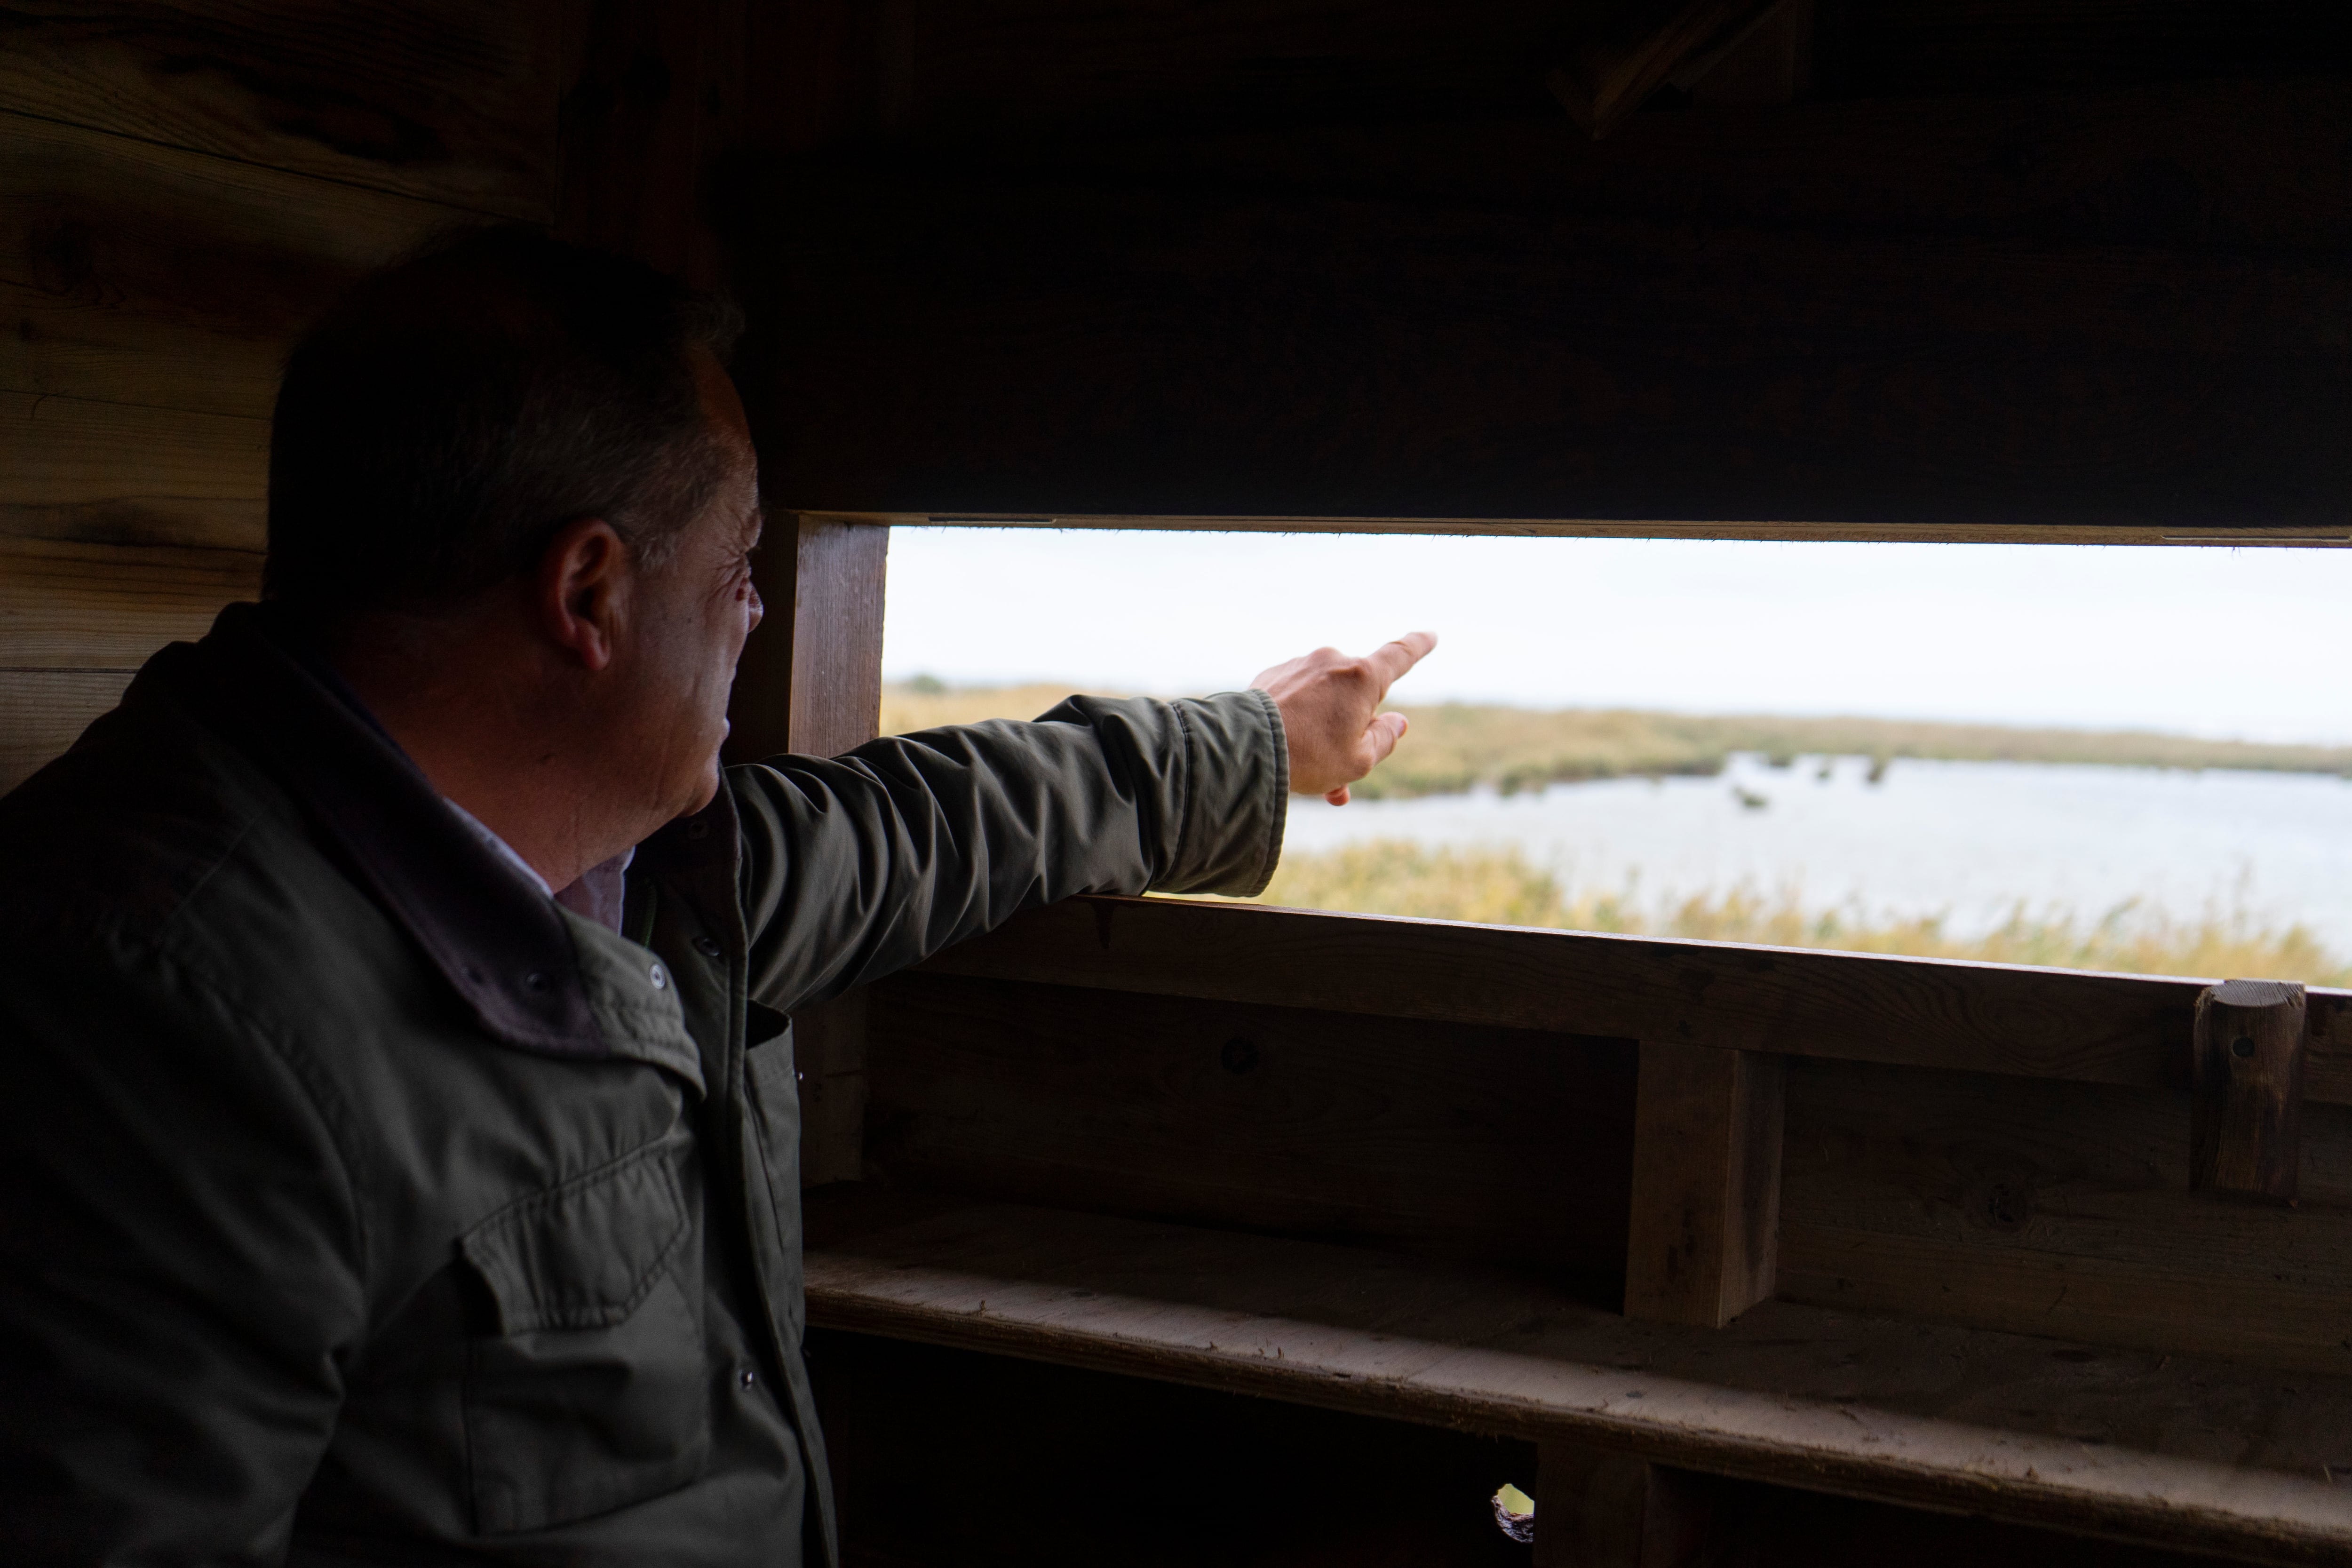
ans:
(1706, 1223)
(811, 682)
(1974, 1017)
(2249, 1081)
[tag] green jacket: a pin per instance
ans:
(359, 1204)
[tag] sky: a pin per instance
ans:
(2251, 644)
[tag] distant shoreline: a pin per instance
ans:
(1456, 747)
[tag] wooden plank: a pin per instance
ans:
(2065, 1210)
(1456, 1140)
(1707, 1183)
(2189, 1454)
(113, 473)
(1978, 532)
(438, 98)
(2031, 1023)
(2248, 1082)
(43, 711)
(71, 606)
(2101, 342)
(137, 274)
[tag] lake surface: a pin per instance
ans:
(1967, 840)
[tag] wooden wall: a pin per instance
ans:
(181, 187)
(2043, 269)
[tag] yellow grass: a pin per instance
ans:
(907, 706)
(1457, 746)
(1501, 886)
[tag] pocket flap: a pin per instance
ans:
(583, 1255)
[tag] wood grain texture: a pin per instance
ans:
(1706, 1222)
(440, 99)
(2029, 1023)
(137, 274)
(69, 606)
(74, 469)
(2178, 1452)
(811, 682)
(1467, 1142)
(42, 712)
(2248, 1082)
(811, 677)
(2037, 312)
(2057, 1209)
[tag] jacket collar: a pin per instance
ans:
(502, 946)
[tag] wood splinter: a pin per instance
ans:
(2247, 1077)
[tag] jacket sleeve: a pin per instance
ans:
(860, 865)
(179, 1267)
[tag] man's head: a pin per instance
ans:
(512, 491)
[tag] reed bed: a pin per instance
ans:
(1501, 887)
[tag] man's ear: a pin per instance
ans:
(585, 580)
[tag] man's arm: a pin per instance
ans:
(178, 1267)
(861, 865)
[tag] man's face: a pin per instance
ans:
(694, 612)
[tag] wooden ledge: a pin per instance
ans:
(2158, 1450)
(2058, 1024)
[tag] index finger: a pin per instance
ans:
(1391, 659)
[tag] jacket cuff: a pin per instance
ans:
(1236, 796)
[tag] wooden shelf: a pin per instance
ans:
(2129, 1445)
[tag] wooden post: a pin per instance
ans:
(811, 678)
(2248, 1072)
(1595, 1508)
(811, 682)
(1705, 1221)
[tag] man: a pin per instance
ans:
(366, 1201)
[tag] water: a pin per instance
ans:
(1965, 840)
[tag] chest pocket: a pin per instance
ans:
(593, 1393)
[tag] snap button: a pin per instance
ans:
(707, 946)
(658, 977)
(746, 1379)
(697, 828)
(534, 980)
